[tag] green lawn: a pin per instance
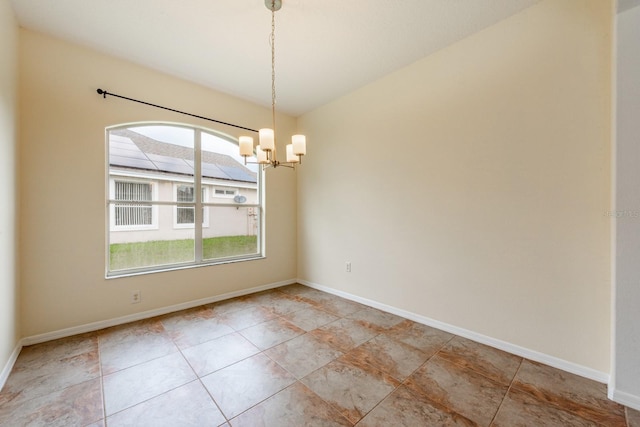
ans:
(158, 252)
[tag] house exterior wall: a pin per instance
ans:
(220, 220)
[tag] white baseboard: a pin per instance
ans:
(626, 399)
(618, 396)
(95, 326)
(4, 374)
(536, 356)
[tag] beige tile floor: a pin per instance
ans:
(292, 356)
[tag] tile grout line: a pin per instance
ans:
(418, 368)
(339, 317)
(261, 352)
(384, 333)
(377, 369)
(281, 316)
(199, 378)
(329, 404)
(482, 374)
(559, 407)
(263, 400)
(166, 333)
(507, 392)
(626, 416)
(104, 402)
(264, 353)
(403, 382)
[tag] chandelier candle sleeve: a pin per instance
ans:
(299, 143)
(291, 158)
(246, 146)
(267, 139)
(261, 155)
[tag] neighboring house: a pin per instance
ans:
(142, 169)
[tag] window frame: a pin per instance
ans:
(200, 204)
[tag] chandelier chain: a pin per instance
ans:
(273, 65)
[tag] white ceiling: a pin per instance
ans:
(324, 48)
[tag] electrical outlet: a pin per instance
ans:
(348, 266)
(136, 297)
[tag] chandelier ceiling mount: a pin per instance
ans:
(273, 5)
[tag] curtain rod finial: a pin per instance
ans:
(102, 92)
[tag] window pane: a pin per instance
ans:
(221, 160)
(146, 248)
(184, 193)
(232, 232)
(185, 215)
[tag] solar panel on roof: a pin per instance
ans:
(237, 174)
(209, 170)
(134, 152)
(124, 147)
(171, 164)
(166, 159)
(121, 152)
(174, 167)
(130, 162)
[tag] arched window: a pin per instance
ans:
(179, 196)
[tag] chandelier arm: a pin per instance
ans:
(271, 165)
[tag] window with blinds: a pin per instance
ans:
(185, 215)
(133, 213)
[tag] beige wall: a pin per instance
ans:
(63, 186)
(9, 317)
(471, 187)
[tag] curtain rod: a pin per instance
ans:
(104, 94)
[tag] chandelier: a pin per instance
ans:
(266, 150)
